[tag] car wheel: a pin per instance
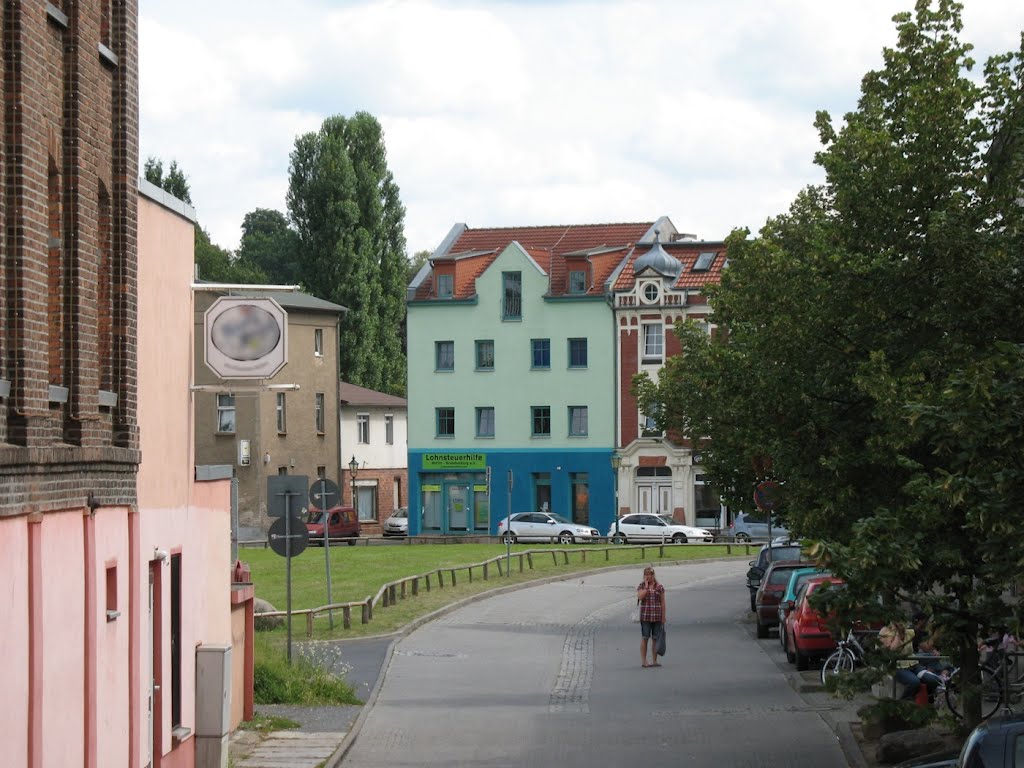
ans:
(762, 630)
(618, 538)
(790, 656)
(352, 542)
(753, 605)
(566, 538)
(508, 538)
(679, 538)
(742, 537)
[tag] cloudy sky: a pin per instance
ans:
(520, 112)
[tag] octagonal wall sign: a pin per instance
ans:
(245, 338)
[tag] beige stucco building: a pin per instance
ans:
(262, 428)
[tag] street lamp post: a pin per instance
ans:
(616, 461)
(353, 469)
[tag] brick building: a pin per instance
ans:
(113, 557)
(68, 429)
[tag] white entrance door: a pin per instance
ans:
(645, 499)
(654, 498)
(665, 499)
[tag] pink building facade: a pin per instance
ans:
(104, 607)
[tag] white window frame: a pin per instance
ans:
(223, 409)
(389, 429)
(653, 348)
(318, 342)
(363, 428)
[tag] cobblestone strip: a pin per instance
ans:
(571, 692)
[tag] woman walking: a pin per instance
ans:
(651, 597)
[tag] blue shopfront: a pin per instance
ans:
(469, 492)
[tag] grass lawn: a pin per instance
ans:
(359, 572)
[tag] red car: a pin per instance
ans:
(769, 594)
(807, 635)
(344, 524)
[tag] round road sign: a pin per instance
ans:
(282, 531)
(324, 493)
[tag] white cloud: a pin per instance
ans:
(501, 113)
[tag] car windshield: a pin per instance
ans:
(779, 576)
(771, 554)
(316, 516)
(560, 519)
(401, 513)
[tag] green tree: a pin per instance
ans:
(873, 355)
(175, 182)
(270, 244)
(345, 207)
(219, 265)
(416, 264)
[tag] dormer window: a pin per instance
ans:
(445, 284)
(577, 281)
(650, 292)
(704, 260)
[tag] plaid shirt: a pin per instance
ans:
(650, 606)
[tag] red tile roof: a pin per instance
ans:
(559, 239)
(687, 253)
(476, 249)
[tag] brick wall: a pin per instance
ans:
(386, 501)
(629, 357)
(69, 167)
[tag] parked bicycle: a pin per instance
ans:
(999, 680)
(844, 659)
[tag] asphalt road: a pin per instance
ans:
(550, 675)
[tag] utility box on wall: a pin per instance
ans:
(213, 705)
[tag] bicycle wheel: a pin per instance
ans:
(840, 662)
(987, 686)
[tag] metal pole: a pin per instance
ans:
(327, 547)
(615, 475)
(288, 568)
(508, 530)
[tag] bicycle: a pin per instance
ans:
(999, 679)
(844, 659)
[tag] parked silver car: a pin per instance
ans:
(398, 523)
(544, 526)
(649, 527)
(754, 525)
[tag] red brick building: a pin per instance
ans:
(657, 285)
(69, 158)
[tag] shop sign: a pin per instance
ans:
(450, 461)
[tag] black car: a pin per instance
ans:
(769, 554)
(996, 743)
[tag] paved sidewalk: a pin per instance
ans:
(323, 729)
(326, 733)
